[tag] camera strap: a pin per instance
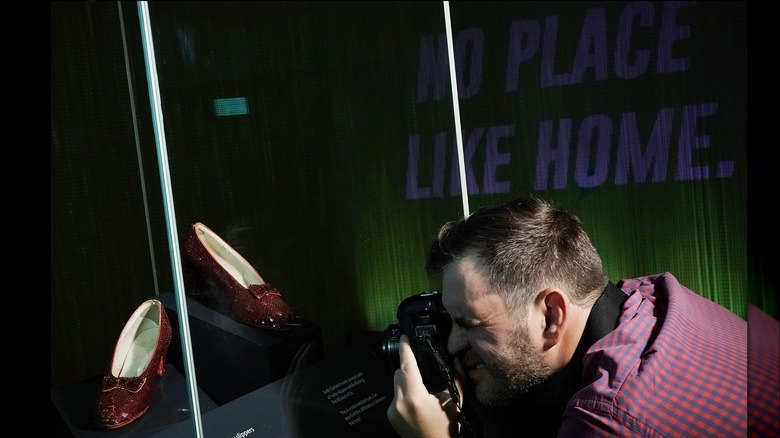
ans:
(452, 388)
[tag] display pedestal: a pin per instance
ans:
(346, 396)
(233, 359)
(74, 405)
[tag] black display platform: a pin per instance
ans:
(73, 408)
(346, 395)
(233, 359)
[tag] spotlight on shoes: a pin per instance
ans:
(139, 358)
(252, 301)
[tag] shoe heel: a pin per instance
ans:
(161, 366)
(194, 282)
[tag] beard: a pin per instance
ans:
(514, 372)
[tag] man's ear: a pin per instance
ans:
(555, 309)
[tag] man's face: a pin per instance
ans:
(495, 349)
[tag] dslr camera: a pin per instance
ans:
(423, 318)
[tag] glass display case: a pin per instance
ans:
(320, 141)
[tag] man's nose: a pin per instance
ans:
(457, 341)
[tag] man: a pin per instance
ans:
(545, 345)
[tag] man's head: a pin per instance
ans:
(518, 280)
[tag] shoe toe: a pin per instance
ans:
(267, 308)
(121, 401)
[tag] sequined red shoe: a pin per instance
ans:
(139, 358)
(206, 257)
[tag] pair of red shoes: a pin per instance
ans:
(139, 356)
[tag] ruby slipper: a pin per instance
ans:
(207, 257)
(139, 358)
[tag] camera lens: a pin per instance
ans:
(390, 340)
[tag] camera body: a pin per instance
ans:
(423, 318)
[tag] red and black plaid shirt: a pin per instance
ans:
(676, 365)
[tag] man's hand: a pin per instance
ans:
(414, 413)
